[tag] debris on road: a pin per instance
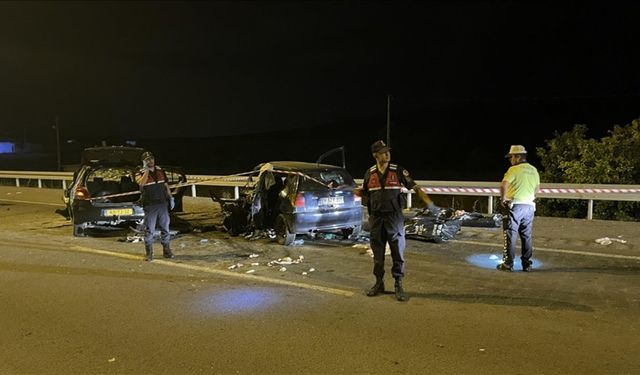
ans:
(134, 239)
(251, 271)
(312, 269)
(608, 241)
(111, 360)
(204, 240)
(476, 219)
(286, 261)
(234, 266)
(304, 274)
(255, 264)
(254, 256)
(282, 269)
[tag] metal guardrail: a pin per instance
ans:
(461, 188)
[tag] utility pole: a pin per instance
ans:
(389, 120)
(57, 128)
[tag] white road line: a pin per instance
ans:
(551, 250)
(248, 277)
(31, 202)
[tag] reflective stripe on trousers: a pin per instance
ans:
(519, 221)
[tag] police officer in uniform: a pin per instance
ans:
(383, 187)
(518, 191)
(156, 202)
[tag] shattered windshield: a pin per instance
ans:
(335, 178)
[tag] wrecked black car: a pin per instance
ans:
(446, 224)
(295, 198)
(106, 171)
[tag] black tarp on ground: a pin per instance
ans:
(438, 227)
(445, 225)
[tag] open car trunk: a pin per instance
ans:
(122, 155)
(112, 180)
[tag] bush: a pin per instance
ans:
(571, 157)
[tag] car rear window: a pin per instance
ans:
(110, 174)
(336, 178)
(114, 180)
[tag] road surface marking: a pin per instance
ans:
(248, 277)
(106, 252)
(562, 251)
(31, 202)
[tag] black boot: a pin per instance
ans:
(148, 250)
(166, 251)
(377, 288)
(400, 294)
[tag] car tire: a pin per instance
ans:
(352, 233)
(283, 235)
(230, 227)
(78, 230)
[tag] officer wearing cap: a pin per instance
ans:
(382, 186)
(156, 202)
(518, 191)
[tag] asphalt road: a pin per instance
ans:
(92, 305)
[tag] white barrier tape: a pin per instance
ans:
(184, 184)
(543, 191)
(214, 179)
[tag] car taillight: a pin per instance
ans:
(82, 193)
(357, 199)
(300, 203)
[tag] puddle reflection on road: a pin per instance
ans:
(490, 261)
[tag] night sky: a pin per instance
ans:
(208, 69)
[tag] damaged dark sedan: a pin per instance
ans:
(297, 198)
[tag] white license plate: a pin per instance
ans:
(331, 201)
(118, 212)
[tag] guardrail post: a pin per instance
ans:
(39, 183)
(17, 182)
(590, 210)
(193, 190)
(490, 208)
(409, 202)
(236, 192)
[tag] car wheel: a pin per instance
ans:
(284, 236)
(352, 233)
(230, 227)
(78, 230)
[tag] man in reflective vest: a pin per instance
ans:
(518, 191)
(156, 202)
(382, 186)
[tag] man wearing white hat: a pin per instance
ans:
(518, 192)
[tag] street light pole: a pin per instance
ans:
(57, 128)
(389, 120)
